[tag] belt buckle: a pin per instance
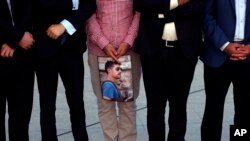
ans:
(168, 45)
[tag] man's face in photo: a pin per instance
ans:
(115, 71)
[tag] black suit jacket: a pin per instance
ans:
(188, 22)
(22, 17)
(48, 12)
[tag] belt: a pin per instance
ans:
(239, 42)
(172, 43)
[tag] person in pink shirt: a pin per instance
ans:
(111, 31)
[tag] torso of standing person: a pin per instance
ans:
(164, 20)
(221, 29)
(48, 12)
(15, 19)
(114, 18)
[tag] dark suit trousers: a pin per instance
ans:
(167, 77)
(217, 82)
(16, 90)
(71, 69)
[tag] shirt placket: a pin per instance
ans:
(114, 22)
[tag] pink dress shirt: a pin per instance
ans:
(114, 22)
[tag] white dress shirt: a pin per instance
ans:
(169, 31)
(240, 8)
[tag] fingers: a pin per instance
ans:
(238, 58)
(121, 52)
(114, 58)
(52, 34)
(240, 55)
(237, 51)
(55, 31)
(27, 46)
(123, 48)
(113, 54)
(27, 41)
(7, 51)
(234, 59)
(243, 50)
(231, 48)
(110, 51)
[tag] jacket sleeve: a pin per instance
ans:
(13, 34)
(10, 34)
(1, 42)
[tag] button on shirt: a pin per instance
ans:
(114, 22)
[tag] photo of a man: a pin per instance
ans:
(116, 78)
(109, 86)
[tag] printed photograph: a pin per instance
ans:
(116, 78)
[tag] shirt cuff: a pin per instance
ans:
(70, 29)
(173, 4)
(224, 46)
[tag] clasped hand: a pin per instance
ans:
(26, 41)
(237, 51)
(6, 51)
(55, 31)
(116, 54)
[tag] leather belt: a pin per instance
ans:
(239, 42)
(172, 43)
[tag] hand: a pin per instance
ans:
(110, 51)
(233, 49)
(7, 51)
(244, 51)
(182, 2)
(27, 41)
(123, 48)
(55, 31)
